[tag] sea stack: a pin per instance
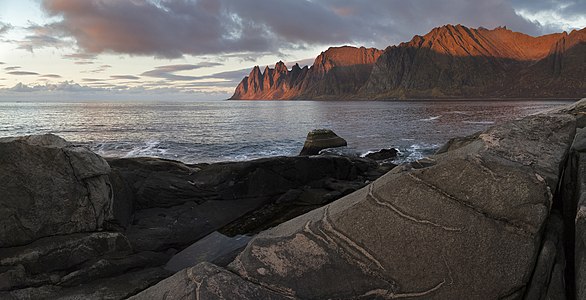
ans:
(319, 139)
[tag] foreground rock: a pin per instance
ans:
(50, 187)
(477, 221)
(176, 204)
(319, 139)
(383, 154)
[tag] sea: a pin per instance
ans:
(213, 131)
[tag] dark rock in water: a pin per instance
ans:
(215, 248)
(319, 139)
(50, 187)
(383, 154)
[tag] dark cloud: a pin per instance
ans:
(167, 72)
(172, 28)
(80, 56)
(229, 76)
(41, 36)
(22, 73)
(100, 69)
(50, 76)
(2, 63)
(12, 68)
(4, 28)
(84, 62)
(128, 77)
(92, 79)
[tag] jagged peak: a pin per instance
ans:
(280, 67)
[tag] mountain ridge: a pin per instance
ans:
(451, 61)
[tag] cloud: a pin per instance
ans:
(229, 76)
(553, 15)
(84, 62)
(167, 72)
(80, 56)
(301, 62)
(22, 73)
(100, 69)
(65, 86)
(173, 28)
(127, 77)
(12, 68)
(92, 79)
(72, 91)
(4, 28)
(41, 36)
(50, 76)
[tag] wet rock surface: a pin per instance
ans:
(319, 139)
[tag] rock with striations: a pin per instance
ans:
(469, 223)
(50, 187)
(319, 139)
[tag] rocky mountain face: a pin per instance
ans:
(337, 71)
(448, 62)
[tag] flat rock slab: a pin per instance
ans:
(215, 248)
(207, 281)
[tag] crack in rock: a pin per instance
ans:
(380, 202)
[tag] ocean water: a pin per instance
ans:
(212, 131)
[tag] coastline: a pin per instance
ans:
(495, 192)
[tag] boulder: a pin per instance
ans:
(50, 187)
(319, 139)
(383, 154)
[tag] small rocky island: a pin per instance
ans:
(496, 215)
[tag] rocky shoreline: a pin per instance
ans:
(496, 215)
(74, 224)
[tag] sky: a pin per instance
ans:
(201, 49)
